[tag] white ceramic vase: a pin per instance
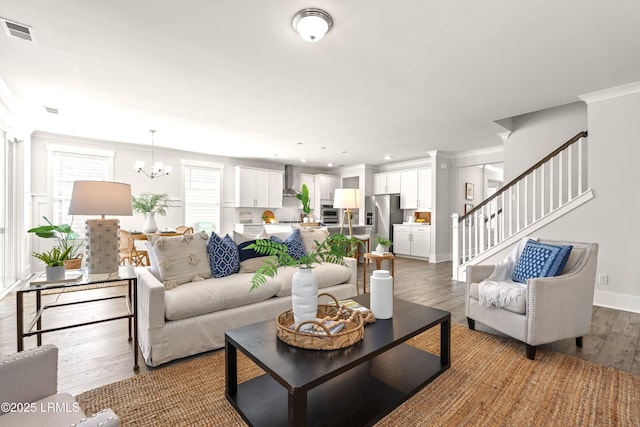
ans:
(55, 273)
(150, 225)
(304, 295)
(379, 248)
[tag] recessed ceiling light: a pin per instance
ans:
(323, 148)
(304, 160)
(298, 143)
(330, 165)
(344, 152)
(387, 157)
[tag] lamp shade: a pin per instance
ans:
(346, 198)
(100, 198)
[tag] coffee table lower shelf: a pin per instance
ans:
(359, 396)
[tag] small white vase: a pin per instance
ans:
(55, 273)
(150, 225)
(379, 248)
(304, 295)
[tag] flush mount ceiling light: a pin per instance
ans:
(312, 24)
(157, 168)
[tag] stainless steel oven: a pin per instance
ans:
(330, 215)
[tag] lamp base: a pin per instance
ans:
(103, 246)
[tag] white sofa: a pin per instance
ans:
(192, 318)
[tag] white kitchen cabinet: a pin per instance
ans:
(386, 183)
(326, 186)
(412, 240)
(310, 180)
(249, 229)
(258, 188)
(416, 189)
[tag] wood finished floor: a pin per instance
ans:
(100, 354)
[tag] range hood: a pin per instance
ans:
(288, 191)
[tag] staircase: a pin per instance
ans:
(547, 190)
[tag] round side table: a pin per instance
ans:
(378, 259)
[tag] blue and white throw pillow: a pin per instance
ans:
(294, 244)
(540, 260)
(223, 255)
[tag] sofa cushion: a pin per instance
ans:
(294, 244)
(208, 296)
(223, 255)
(312, 235)
(180, 259)
(540, 260)
(241, 237)
(328, 274)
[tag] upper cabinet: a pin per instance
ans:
(416, 189)
(387, 183)
(310, 180)
(258, 188)
(326, 186)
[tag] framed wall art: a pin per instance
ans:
(468, 191)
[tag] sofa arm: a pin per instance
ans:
(150, 297)
(477, 273)
(29, 375)
(104, 418)
(352, 263)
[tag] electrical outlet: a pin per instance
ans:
(603, 279)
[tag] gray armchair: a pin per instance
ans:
(29, 393)
(555, 308)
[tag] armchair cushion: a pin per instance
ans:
(540, 260)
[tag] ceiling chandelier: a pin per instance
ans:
(312, 24)
(157, 168)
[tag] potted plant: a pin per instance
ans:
(304, 286)
(382, 244)
(66, 238)
(303, 196)
(54, 260)
(149, 204)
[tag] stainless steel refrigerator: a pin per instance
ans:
(382, 212)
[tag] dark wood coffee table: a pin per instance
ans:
(354, 386)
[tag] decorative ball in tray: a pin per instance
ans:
(317, 335)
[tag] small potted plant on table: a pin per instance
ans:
(150, 204)
(54, 260)
(382, 245)
(303, 196)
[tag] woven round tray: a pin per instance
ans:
(352, 332)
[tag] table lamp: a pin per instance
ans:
(347, 199)
(101, 198)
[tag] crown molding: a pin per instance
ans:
(610, 93)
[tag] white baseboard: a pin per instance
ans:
(618, 301)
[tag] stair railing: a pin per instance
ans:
(548, 185)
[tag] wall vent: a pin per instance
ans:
(18, 31)
(51, 110)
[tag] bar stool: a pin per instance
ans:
(363, 239)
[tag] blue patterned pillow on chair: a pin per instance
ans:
(540, 260)
(294, 244)
(224, 258)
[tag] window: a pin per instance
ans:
(202, 192)
(69, 164)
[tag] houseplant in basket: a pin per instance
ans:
(149, 204)
(66, 238)
(304, 285)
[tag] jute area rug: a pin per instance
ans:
(490, 383)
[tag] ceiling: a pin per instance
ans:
(231, 77)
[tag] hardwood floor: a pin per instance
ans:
(100, 354)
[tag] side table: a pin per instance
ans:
(35, 327)
(378, 259)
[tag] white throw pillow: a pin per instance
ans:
(180, 259)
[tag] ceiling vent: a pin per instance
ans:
(18, 31)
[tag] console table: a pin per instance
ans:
(35, 327)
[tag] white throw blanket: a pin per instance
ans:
(498, 289)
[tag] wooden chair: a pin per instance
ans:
(128, 252)
(183, 229)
